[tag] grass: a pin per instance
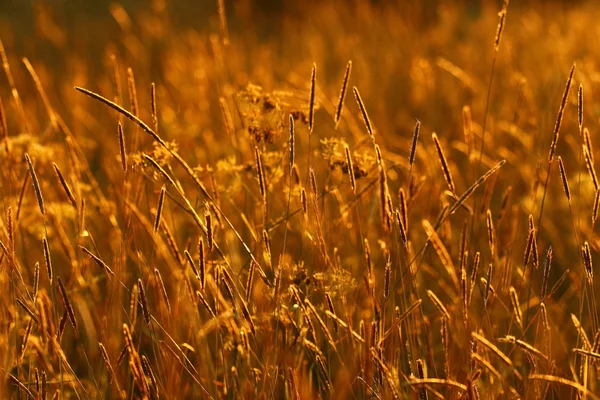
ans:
(207, 212)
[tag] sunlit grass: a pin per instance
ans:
(350, 200)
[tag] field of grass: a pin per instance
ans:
(314, 199)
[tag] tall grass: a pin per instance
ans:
(204, 212)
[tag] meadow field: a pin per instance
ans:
(360, 199)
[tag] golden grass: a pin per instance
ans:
(252, 233)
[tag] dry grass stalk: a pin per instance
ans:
(149, 373)
(443, 163)
(97, 260)
(277, 284)
(248, 317)
(590, 167)
(331, 309)
(65, 185)
(491, 232)
(340, 104)
(500, 28)
(587, 262)
(36, 279)
(202, 264)
(21, 386)
(292, 143)
(474, 186)
(514, 297)
(524, 345)
(587, 353)
(464, 291)
(338, 320)
(129, 346)
(490, 346)
(421, 375)
(15, 93)
(383, 193)
(403, 207)
(363, 112)
(531, 247)
(323, 370)
(62, 323)
(172, 243)
(303, 202)
(122, 151)
(487, 193)
(350, 169)
(210, 240)
(587, 142)
(563, 177)
(386, 373)
(468, 129)
(400, 318)
(596, 207)
(293, 385)
(446, 345)
(413, 145)
(161, 170)
(205, 304)
(547, 266)
(44, 386)
(322, 324)
(561, 111)
(479, 359)
(439, 305)
(474, 269)
(26, 338)
(46, 324)
(10, 228)
(504, 203)
(4, 128)
(547, 329)
(442, 252)
(48, 259)
(261, 175)
(154, 107)
(116, 77)
(162, 289)
(386, 280)
(27, 310)
(584, 337)
(545, 320)
(368, 262)
(596, 345)
(250, 281)
(42, 93)
(228, 290)
(311, 104)
(109, 367)
(313, 182)
(143, 301)
(133, 305)
(132, 91)
(67, 303)
(488, 286)
(159, 209)
(36, 184)
(437, 381)
(580, 106)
